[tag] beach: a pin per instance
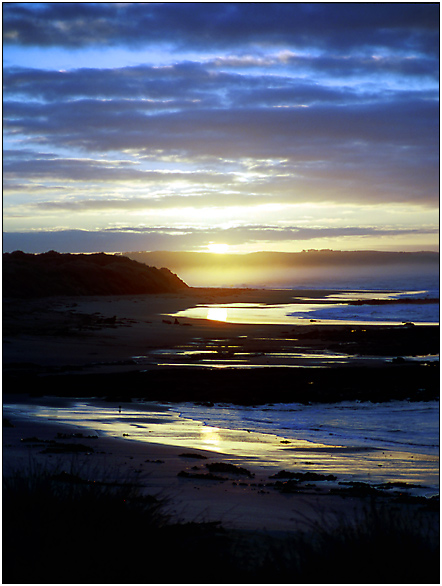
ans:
(238, 501)
(111, 333)
(131, 359)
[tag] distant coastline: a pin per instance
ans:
(288, 259)
(323, 268)
(326, 269)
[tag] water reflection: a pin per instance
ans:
(217, 313)
(331, 310)
(210, 436)
(159, 424)
(228, 356)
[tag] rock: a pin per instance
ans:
(206, 476)
(359, 489)
(229, 468)
(304, 476)
(289, 486)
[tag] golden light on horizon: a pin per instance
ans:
(218, 248)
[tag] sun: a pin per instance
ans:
(218, 248)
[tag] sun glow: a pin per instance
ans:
(218, 248)
(217, 313)
(210, 436)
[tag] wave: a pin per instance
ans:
(398, 424)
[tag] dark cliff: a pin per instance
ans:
(52, 273)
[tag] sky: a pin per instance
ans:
(223, 127)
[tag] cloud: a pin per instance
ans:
(383, 150)
(111, 124)
(341, 27)
(219, 107)
(99, 170)
(187, 84)
(243, 234)
(171, 86)
(364, 67)
(184, 238)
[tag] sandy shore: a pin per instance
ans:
(114, 334)
(238, 501)
(83, 336)
(68, 332)
(156, 467)
(227, 529)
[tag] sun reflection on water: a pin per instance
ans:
(210, 436)
(155, 423)
(217, 313)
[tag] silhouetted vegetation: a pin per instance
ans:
(52, 273)
(65, 528)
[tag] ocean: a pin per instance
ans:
(384, 300)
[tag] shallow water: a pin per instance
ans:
(234, 359)
(335, 308)
(403, 425)
(387, 442)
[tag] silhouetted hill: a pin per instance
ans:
(52, 273)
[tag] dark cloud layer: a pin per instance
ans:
(389, 143)
(323, 25)
(281, 103)
(163, 238)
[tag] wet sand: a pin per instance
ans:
(69, 331)
(89, 347)
(179, 476)
(237, 502)
(122, 334)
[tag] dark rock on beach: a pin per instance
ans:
(229, 469)
(357, 489)
(34, 440)
(200, 476)
(304, 476)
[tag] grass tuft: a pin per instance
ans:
(64, 527)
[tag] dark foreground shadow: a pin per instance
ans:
(60, 528)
